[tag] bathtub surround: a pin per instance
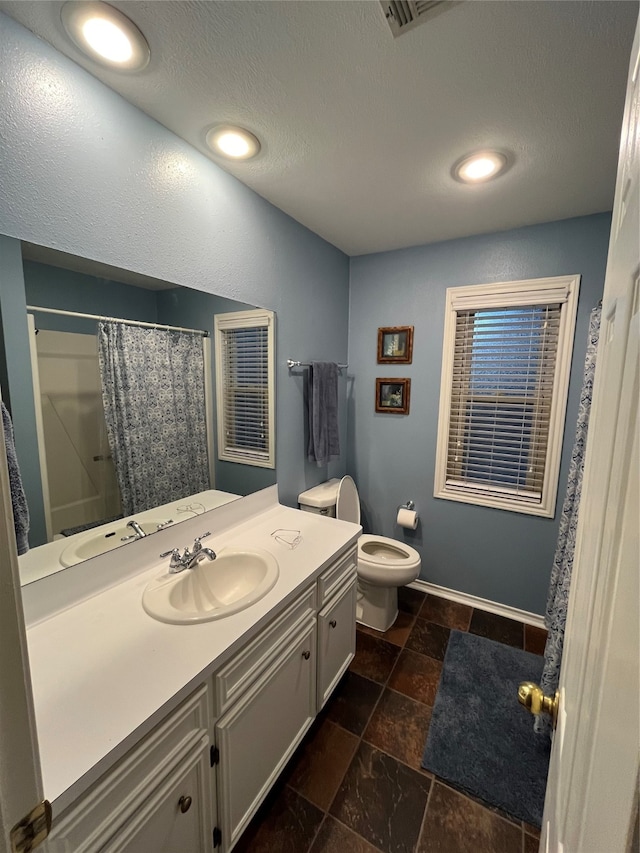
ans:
(500, 556)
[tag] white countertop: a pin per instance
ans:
(104, 672)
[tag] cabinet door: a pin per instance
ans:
(336, 640)
(259, 733)
(176, 818)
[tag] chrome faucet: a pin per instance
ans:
(138, 532)
(190, 558)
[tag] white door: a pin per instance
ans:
(20, 777)
(590, 804)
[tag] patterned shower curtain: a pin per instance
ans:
(153, 398)
(558, 598)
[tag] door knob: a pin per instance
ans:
(531, 696)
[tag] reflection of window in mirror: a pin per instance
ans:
(244, 342)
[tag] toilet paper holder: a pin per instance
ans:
(407, 505)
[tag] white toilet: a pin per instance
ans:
(383, 564)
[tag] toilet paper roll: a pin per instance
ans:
(407, 518)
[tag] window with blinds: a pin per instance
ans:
(504, 388)
(244, 387)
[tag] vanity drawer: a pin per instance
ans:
(234, 678)
(333, 578)
(115, 798)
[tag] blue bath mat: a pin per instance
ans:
(481, 740)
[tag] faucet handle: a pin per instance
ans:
(197, 545)
(175, 557)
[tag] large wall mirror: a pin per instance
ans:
(99, 405)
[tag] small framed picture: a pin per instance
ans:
(395, 345)
(392, 396)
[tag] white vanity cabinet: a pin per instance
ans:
(141, 803)
(336, 623)
(285, 676)
(194, 783)
(177, 816)
(336, 640)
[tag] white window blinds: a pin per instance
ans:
(501, 393)
(503, 398)
(244, 387)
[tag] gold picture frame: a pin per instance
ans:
(393, 395)
(395, 345)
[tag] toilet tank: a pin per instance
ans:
(320, 499)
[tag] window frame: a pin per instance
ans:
(250, 319)
(510, 294)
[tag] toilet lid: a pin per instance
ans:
(348, 502)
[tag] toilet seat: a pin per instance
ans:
(386, 553)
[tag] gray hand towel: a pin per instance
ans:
(324, 438)
(18, 498)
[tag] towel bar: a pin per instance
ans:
(291, 363)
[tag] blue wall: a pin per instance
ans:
(52, 287)
(83, 171)
(498, 555)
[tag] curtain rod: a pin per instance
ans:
(59, 311)
(291, 363)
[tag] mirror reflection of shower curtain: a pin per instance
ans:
(153, 396)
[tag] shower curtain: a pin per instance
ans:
(154, 406)
(558, 598)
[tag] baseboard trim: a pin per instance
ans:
(480, 603)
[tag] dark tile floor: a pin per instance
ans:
(355, 784)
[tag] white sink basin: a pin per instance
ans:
(105, 538)
(236, 579)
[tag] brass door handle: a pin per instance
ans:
(185, 804)
(531, 696)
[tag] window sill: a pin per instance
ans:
(495, 502)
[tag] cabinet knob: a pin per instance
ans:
(306, 655)
(333, 623)
(185, 804)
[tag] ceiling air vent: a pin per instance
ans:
(404, 15)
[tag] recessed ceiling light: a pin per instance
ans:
(105, 34)
(235, 143)
(479, 167)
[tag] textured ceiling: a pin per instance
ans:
(360, 130)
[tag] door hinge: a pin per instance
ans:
(217, 837)
(214, 755)
(29, 832)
